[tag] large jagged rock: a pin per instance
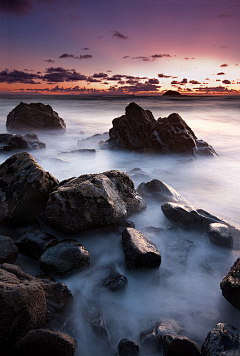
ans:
(45, 342)
(139, 251)
(92, 201)
(26, 303)
(10, 142)
(179, 346)
(139, 131)
(223, 340)
(230, 285)
(24, 189)
(34, 116)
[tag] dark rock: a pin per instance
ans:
(230, 285)
(139, 251)
(172, 93)
(204, 149)
(8, 250)
(44, 342)
(160, 191)
(10, 142)
(179, 346)
(222, 340)
(93, 200)
(128, 347)
(24, 303)
(33, 141)
(64, 257)
(219, 234)
(115, 280)
(35, 116)
(138, 130)
(34, 242)
(24, 189)
(81, 150)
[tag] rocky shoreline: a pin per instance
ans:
(29, 194)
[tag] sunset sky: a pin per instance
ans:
(120, 46)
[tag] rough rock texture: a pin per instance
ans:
(24, 189)
(34, 242)
(223, 340)
(172, 93)
(92, 201)
(128, 347)
(219, 234)
(10, 142)
(64, 257)
(26, 303)
(160, 191)
(115, 280)
(179, 346)
(230, 285)
(45, 342)
(35, 116)
(8, 250)
(139, 251)
(139, 131)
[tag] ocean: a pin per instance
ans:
(186, 287)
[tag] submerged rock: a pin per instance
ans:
(8, 250)
(138, 130)
(128, 347)
(230, 285)
(115, 280)
(139, 251)
(179, 346)
(64, 257)
(45, 342)
(219, 234)
(223, 340)
(35, 116)
(91, 201)
(24, 189)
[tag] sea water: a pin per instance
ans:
(186, 287)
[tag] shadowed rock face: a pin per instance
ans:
(179, 346)
(10, 142)
(230, 285)
(24, 189)
(139, 131)
(35, 116)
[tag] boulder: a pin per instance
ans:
(172, 93)
(26, 303)
(92, 201)
(128, 347)
(138, 130)
(222, 340)
(230, 285)
(45, 342)
(179, 346)
(8, 251)
(24, 189)
(34, 116)
(160, 191)
(34, 242)
(139, 251)
(115, 280)
(220, 235)
(10, 142)
(64, 257)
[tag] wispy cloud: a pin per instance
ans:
(59, 74)
(224, 65)
(49, 60)
(67, 55)
(221, 73)
(119, 35)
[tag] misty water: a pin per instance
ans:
(186, 287)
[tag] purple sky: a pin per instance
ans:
(120, 46)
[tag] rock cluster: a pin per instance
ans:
(9, 142)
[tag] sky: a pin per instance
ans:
(141, 47)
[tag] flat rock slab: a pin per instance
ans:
(64, 257)
(8, 250)
(34, 116)
(139, 251)
(230, 285)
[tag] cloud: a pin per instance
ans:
(16, 76)
(116, 77)
(194, 82)
(161, 75)
(125, 57)
(59, 74)
(174, 82)
(189, 58)
(100, 75)
(216, 90)
(224, 16)
(119, 35)
(160, 55)
(184, 81)
(224, 65)
(16, 7)
(93, 80)
(142, 58)
(221, 73)
(49, 60)
(152, 81)
(85, 56)
(223, 47)
(226, 81)
(85, 49)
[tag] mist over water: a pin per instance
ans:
(187, 285)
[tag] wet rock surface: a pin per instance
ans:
(179, 346)
(139, 131)
(8, 250)
(44, 342)
(219, 234)
(9, 142)
(24, 189)
(223, 340)
(34, 242)
(230, 285)
(139, 251)
(35, 116)
(92, 201)
(128, 347)
(115, 280)
(64, 257)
